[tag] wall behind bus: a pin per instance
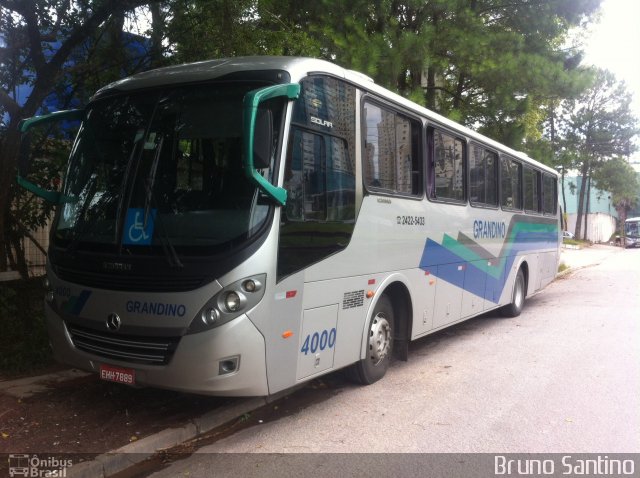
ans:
(599, 201)
(600, 226)
(601, 215)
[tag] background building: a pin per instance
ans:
(599, 213)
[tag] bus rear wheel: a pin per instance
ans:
(517, 298)
(379, 346)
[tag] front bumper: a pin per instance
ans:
(195, 365)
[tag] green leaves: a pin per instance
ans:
(620, 179)
(599, 123)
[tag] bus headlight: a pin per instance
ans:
(210, 315)
(235, 299)
(48, 294)
(251, 285)
(232, 301)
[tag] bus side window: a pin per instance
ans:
(448, 160)
(511, 184)
(304, 177)
(483, 173)
(531, 190)
(391, 151)
(549, 194)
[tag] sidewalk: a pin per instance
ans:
(578, 258)
(29, 386)
(177, 417)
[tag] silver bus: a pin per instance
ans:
(632, 232)
(239, 226)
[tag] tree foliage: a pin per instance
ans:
(597, 126)
(620, 179)
(200, 30)
(485, 63)
(39, 38)
(501, 67)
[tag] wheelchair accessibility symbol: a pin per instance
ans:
(134, 231)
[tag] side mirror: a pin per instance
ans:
(258, 136)
(25, 149)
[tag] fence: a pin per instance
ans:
(35, 257)
(34, 244)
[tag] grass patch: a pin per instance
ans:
(562, 267)
(24, 341)
(577, 242)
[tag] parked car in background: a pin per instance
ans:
(568, 235)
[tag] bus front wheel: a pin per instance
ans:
(517, 298)
(379, 345)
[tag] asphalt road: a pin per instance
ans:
(564, 377)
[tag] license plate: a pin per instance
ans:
(117, 374)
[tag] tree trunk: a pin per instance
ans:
(9, 149)
(621, 207)
(157, 34)
(430, 93)
(586, 216)
(583, 186)
(564, 198)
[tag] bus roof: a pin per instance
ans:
(296, 68)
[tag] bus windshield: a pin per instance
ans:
(632, 227)
(162, 166)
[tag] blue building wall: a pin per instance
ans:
(137, 48)
(599, 222)
(599, 201)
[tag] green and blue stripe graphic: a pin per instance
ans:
(486, 274)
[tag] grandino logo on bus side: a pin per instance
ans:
(489, 229)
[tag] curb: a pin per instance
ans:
(570, 269)
(596, 262)
(129, 455)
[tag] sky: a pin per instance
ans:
(614, 44)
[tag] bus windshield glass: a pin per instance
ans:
(632, 227)
(162, 166)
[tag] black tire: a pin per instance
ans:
(517, 297)
(380, 347)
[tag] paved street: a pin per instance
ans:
(563, 377)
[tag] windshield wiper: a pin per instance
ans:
(167, 246)
(123, 186)
(149, 201)
(151, 179)
(81, 226)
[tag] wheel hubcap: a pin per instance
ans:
(379, 339)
